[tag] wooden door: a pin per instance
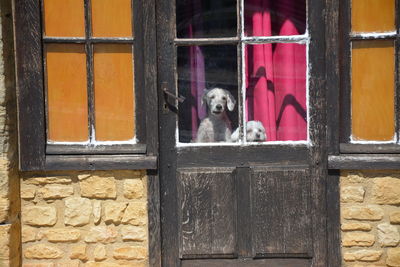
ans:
(236, 203)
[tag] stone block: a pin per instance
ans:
(98, 187)
(77, 211)
(4, 186)
(38, 264)
(368, 213)
(67, 264)
(347, 256)
(369, 265)
(28, 192)
(116, 264)
(10, 244)
(363, 255)
(102, 234)
(352, 194)
(28, 234)
(351, 178)
(83, 176)
(133, 188)
(133, 233)
(43, 251)
(62, 235)
(79, 252)
(130, 253)
(395, 217)
(135, 214)
(356, 227)
(4, 207)
(393, 257)
(355, 239)
(52, 264)
(96, 211)
(99, 253)
(5, 241)
(386, 191)
(113, 211)
(388, 235)
(48, 180)
(55, 191)
(39, 215)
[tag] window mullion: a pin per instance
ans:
(241, 69)
(373, 36)
(302, 39)
(89, 67)
(397, 73)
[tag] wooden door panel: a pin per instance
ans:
(281, 221)
(207, 208)
(248, 263)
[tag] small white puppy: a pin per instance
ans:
(255, 132)
(216, 127)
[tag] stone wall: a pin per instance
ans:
(85, 219)
(370, 218)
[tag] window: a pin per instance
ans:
(258, 58)
(84, 77)
(89, 83)
(369, 79)
(364, 65)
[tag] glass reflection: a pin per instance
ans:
(373, 90)
(206, 18)
(207, 78)
(276, 91)
(271, 17)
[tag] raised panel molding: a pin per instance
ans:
(280, 213)
(207, 213)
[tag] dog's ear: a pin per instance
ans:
(204, 97)
(231, 102)
(260, 125)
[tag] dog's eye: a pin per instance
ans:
(223, 98)
(212, 97)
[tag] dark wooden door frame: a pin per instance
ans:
(325, 227)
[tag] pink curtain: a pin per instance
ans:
(197, 71)
(197, 86)
(276, 73)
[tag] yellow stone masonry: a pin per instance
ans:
(370, 218)
(84, 219)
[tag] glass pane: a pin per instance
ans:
(373, 15)
(372, 86)
(111, 18)
(271, 17)
(276, 91)
(114, 95)
(201, 68)
(205, 18)
(66, 92)
(64, 18)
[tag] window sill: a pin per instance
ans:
(65, 149)
(100, 162)
(370, 148)
(364, 161)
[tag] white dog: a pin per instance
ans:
(255, 132)
(216, 127)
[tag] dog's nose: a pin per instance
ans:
(219, 106)
(258, 135)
